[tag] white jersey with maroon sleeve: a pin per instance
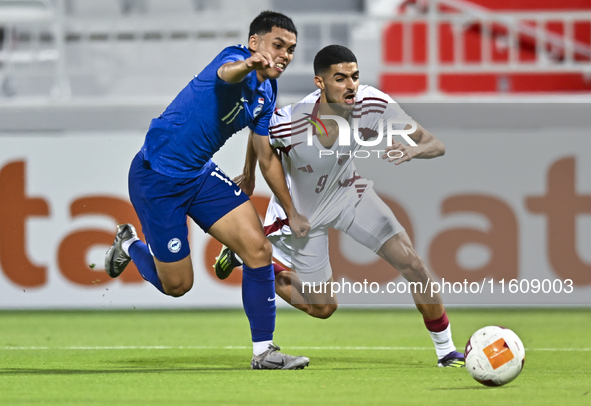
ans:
(323, 182)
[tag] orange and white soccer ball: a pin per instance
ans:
(494, 356)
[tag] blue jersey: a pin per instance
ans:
(205, 114)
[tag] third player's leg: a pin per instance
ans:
(398, 251)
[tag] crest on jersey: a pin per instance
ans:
(174, 245)
(259, 108)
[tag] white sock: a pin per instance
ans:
(126, 244)
(260, 347)
(443, 342)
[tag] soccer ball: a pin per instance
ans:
(494, 356)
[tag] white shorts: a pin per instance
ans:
(373, 225)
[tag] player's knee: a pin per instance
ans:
(283, 279)
(323, 312)
(411, 262)
(418, 266)
(177, 287)
(416, 271)
(259, 252)
(267, 249)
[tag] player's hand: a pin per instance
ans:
(259, 61)
(299, 225)
(244, 183)
(400, 153)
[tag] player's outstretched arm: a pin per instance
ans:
(246, 180)
(235, 72)
(272, 171)
(427, 147)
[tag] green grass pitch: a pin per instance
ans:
(358, 357)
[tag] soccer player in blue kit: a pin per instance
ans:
(173, 177)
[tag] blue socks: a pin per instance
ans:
(140, 255)
(258, 298)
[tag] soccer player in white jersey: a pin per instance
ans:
(326, 189)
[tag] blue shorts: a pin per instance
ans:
(163, 203)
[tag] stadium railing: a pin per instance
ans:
(31, 46)
(118, 49)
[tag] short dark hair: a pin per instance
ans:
(332, 55)
(265, 22)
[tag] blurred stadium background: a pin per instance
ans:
(505, 84)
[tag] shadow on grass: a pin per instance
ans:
(476, 387)
(145, 365)
(210, 364)
(155, 367)
(58, 371)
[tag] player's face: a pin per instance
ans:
(280, 45)
(339, 84)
